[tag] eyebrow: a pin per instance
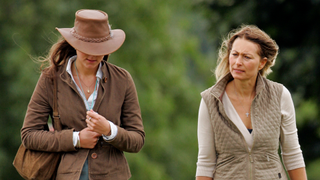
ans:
(245, 53)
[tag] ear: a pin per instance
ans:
(262, 63)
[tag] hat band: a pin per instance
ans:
(90, 40)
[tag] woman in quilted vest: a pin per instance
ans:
(97, 103)
(245, 118)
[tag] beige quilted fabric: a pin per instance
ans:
(234, 160)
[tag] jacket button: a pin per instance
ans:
(94, 155)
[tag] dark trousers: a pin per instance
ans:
(85, 173)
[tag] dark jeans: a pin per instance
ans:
(84, 173)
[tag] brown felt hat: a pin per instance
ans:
(92, 33)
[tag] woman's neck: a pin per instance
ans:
(83, 71)
(244, 88)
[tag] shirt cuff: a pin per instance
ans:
(206, 172)
(114, 132)
(75, 138)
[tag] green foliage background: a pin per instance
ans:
(170, 50)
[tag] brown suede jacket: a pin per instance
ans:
(117, 101)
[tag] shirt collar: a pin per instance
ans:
(73, 58)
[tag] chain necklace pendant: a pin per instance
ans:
(234, 87)
(94, 90)
(88, 91)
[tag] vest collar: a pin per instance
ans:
(218, 89)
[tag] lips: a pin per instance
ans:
(238, 70)
(91, 60)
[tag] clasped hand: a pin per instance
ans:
(96, 126)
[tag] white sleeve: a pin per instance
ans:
(207, 154)
(75, 138)
(114, 132)
(290, 147)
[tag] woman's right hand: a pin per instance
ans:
(88, 138)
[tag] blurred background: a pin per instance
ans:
(170, 50)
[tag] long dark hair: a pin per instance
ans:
(59, 54)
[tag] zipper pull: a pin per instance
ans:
(251, 159)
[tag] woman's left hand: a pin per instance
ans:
(98, 123)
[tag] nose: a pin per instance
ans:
(90, 56)
(239, 60)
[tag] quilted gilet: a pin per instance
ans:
(234, 159)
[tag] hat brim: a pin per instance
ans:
(96, 49)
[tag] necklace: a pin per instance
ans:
(79, 79)
(234, 86)
(88, 87)
(94, 90)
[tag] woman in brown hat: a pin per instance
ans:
(97, 103)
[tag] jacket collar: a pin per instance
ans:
(105, 71)
(218, 89)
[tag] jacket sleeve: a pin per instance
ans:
(131, 135)
(34, 133)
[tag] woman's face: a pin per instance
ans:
(88, 61)
(244, 60)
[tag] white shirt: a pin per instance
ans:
(291, 152)
(91, 99)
